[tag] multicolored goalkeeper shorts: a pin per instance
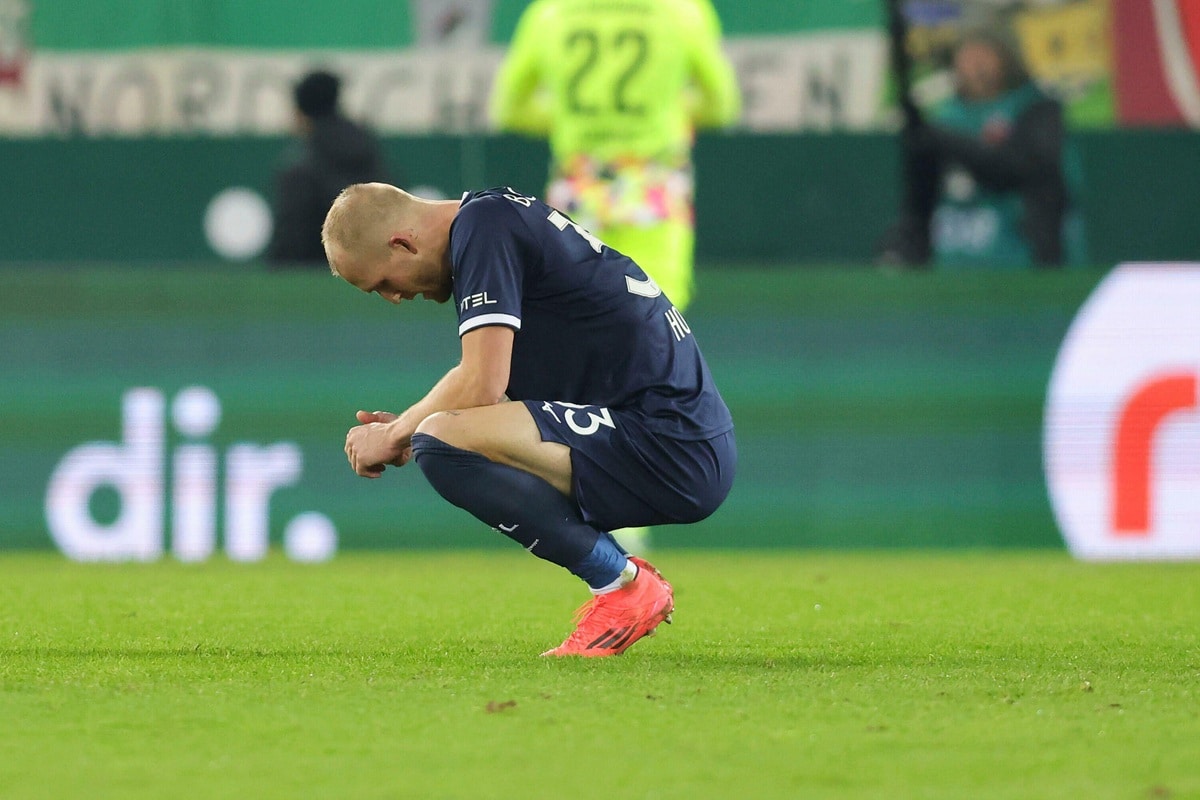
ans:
(630, 191)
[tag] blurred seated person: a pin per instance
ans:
(330, 153)
(988, 175)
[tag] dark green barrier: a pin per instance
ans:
(781, 199)
(871, 410)
(121, 200)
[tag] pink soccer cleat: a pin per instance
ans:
(608, 624)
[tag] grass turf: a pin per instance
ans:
(786, 674)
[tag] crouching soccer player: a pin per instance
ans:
(617, 422)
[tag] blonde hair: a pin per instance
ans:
(356, 217)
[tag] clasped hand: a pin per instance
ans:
(371, 445)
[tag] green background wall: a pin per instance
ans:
(872, 409)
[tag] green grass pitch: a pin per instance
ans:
(785, 675)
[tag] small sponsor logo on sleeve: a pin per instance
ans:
(475, 301)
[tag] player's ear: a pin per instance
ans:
(402, 240)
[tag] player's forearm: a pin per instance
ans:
(717, 100)
(516, 103)
(459, 388)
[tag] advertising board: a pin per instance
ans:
(1122, 421)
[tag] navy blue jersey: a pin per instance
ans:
(591, 326)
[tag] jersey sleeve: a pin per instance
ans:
(489, 268)
(717, 100)
(519, 102)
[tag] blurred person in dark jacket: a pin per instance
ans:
(989, 176)
(331, 152)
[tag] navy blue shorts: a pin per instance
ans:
(625, 475)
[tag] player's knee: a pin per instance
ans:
(439, 424)
(448, 427)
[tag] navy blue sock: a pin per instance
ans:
(522, 506)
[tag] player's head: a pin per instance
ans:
(382, 239)
(988, 63)
(316, 94)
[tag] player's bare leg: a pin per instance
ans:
(504, 433)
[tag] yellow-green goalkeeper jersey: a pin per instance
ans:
(616, 79)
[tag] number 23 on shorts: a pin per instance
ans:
(571, 416)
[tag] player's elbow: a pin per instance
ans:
(524, 112)
(507, 109)
(716, 111)
(491, 397)
(730, 105)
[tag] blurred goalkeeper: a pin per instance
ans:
(615, 422)
(619, 87)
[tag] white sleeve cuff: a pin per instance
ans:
(489, 319)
